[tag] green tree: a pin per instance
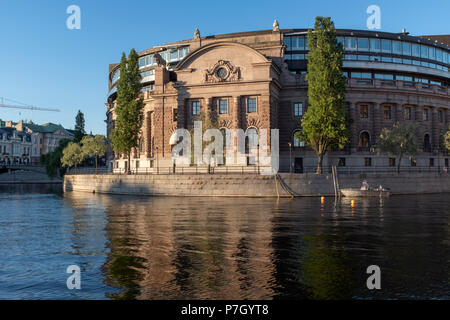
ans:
(94, 147)
(72, 155)
(79, 127)
(129, 116)
(445, 140)
(325, 123)
(52, 160)
(403, 139)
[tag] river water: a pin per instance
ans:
(221, 248)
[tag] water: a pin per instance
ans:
(221, 248)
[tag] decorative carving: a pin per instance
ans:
(197, 34)
(225, 123)
(159, 60)
(253, 122)
(276, 26)
(222, 71)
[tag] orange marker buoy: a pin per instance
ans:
(322, 200)
(353, 203)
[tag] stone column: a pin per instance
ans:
(208, 108)
(377, 121)
(236, 112)
(434, 127)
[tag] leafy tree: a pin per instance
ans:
(94, 147)
(325, 123)
(79, 127)
(52, 160)
(445, 140)
(129, 116)
(72, 155)
(403, 139)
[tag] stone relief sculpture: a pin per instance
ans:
(196, 34)
(222, 71)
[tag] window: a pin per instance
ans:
(364, 111)
(298, 143)
(431, 162)
(223, 106)
(396, 47)
(387, 112)
(441, 115)
(251, 105)
(391, 162)
(350, 44)
(341, 162)
(361, 75)
(375, 45)
(426, 143)
(384, 76)
(175, 114)
(364, 140)
(416, 50)
(426, 114)
(408, 113)
(298, 109)
(406, 48)
(431, 53)
(368, 162)
(195, 107)
(363, 44)
(423, 51)
(386, 46)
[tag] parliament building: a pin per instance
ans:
(256, 80)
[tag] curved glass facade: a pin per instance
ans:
(376, 50)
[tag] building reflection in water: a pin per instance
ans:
(224, 248)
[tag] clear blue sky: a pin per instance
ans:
(44, 64)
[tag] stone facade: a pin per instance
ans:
(242, 68)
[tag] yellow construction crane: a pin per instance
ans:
(23, 106)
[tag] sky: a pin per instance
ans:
(44, 64)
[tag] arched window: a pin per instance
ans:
(297, 142)
(426, 143)
(364, 140)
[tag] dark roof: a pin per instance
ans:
(444, 38)
(45, 128)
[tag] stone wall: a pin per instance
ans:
(250, 185)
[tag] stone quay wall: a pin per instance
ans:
(251, 185)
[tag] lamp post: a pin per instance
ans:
(290, 156)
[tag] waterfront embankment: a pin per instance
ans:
(251, 185)
(27, 177)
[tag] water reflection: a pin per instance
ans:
(222, 248)
(213, 248)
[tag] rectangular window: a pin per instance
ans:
(298, 109)
(423, 51)
(361, 75)
(287, 42)
(375, 45)
(341, 162)
(391, 162)
(251, 105)
(364, 111)
(426, 115)
(406, 48)
(223, 106)
(408, 113)
(383, 76)
(396, 47)
(350, 44)
(368, 162)
(441, 115)
(363, 44)
(141, 62)
(416, 50)
(175, 114)
(431, 162)
(387, 112)
(431, 53)
(195, 107)
(386, 46)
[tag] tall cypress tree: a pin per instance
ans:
(129, 116)
(79, 126)
(325, 124)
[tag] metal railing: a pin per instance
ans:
(374, 169)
